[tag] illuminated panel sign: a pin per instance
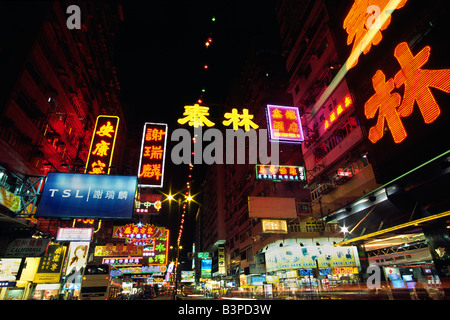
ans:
(280, 173)
(153, 150)
(74, 234)
(73, 195)
(148, 203)
(338, 111)
(102, 145)
(274, 226)
(284, 124)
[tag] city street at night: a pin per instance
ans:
(225, 158)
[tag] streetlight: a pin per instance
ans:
(179, 200)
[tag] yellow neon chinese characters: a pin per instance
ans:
(106, 130)
(196, 116)
(239, 120)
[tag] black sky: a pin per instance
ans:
(160, 54)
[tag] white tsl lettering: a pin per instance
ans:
(66, 193)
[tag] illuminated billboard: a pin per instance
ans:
(102, 145)
(284, 124)
(72, 195)
(153, 150)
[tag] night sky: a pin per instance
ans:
(160, 54)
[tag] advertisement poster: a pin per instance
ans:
(296, 257)
(50, 266)
(76, 261)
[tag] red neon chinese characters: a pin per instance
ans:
(386, 103)
(417, 83)
(363, 16)
(151, 165)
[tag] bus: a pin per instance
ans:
(97, 283)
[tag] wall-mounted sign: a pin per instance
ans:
(280, 173)
(74, 234)
(21, 248)
(284, 124)
(71, 195)
(102, 145)
(153, 150)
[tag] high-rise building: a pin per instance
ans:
(57, 80)
(336, 159)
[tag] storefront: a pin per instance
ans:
(295, 269)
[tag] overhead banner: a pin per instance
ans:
(71, 195)
(153, 150)
(102, 145)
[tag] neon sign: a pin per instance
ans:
(196, 116)
(336, 113)
(364, 23)
(284, 124)
(102, 145)
(280, 173)
(148, 203)
(391, 106)
(153, 151)
(239, 120)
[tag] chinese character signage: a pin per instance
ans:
(148, 203)
(400, 86)
(280, 173)
(364, 23)
(102, 145)
(118, 250)
(417, 81)
(22, 248)
(338, 111)
(284, 124)
(71, 195)
(50, 266)
(274, 226)
(153, 150)
(139, 234)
